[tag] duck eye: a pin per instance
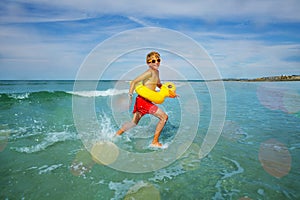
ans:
(170, 86)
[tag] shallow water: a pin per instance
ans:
(45, 156)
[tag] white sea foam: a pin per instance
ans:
(276, 188)
(238, 170)
(98, 93)
(45, 169)
(80, 169)
(127, 187)
(225, 175)
(49, 140)
(121, 188)
(22, 132)
(168, 173)
(19, 96)
(164, 146)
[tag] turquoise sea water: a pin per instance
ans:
(43, 155)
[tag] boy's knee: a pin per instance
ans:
(165, 117)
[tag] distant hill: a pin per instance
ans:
(279, 78)
(270, 78)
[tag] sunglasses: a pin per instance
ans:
(154, 61)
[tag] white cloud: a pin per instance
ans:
(57, 10)
(139, 21)
(250, 58)
(27, 51)
(30, 51)
(27, 54)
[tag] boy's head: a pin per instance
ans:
(153, 57)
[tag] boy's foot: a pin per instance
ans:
(119, 132)
(156, 144)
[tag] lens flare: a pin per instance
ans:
(271, 98)
(279, 98)
(120, 103)
(291, 102)
(142, 190)
(275, 158)
(105, 152)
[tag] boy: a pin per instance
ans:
(151, 80)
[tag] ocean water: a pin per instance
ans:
(48, 142)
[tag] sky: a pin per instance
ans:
(43, 39)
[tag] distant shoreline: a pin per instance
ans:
(264, 79)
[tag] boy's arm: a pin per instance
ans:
(147, 74)
(159, 84)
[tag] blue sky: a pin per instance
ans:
(41, 39)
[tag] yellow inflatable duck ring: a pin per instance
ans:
(168, 89)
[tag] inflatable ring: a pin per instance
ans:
(168, 89)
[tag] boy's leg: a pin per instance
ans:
(128, 125)
(163, 117)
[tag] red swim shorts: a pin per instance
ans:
(144, 106)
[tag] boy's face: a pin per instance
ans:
(154, 62)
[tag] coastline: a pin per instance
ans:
(266, 79)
